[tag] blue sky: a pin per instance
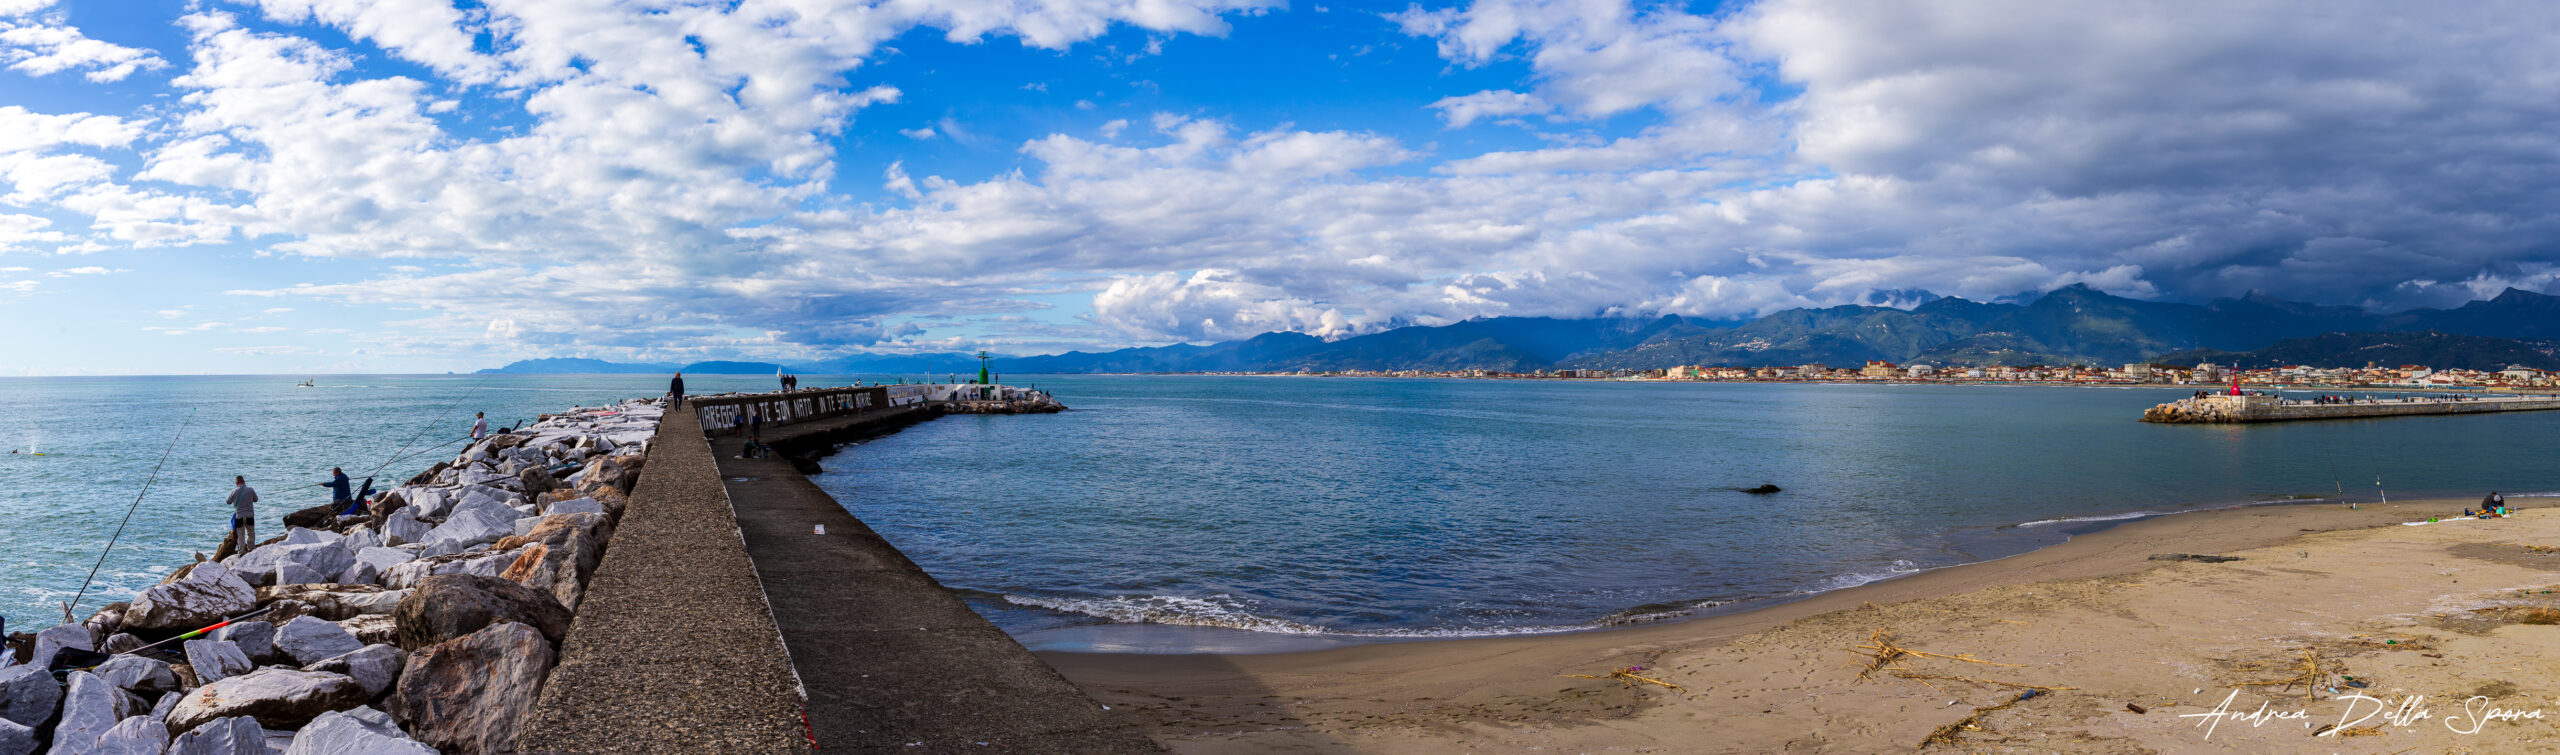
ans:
(375, 185)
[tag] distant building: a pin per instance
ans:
(1919, 370)
(1881, 369)
(2517, 373)
(1812, 370)
(1687, 372)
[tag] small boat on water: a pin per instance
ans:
(305, 384)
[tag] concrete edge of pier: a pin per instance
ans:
(674, 648)
(890, 658)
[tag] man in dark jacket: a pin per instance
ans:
(675, 389)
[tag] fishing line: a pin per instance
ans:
(397, 455)
(128, 517)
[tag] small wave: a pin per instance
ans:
(2097, 518)
(1228, 612)
(1898, 568)
(1222, 611)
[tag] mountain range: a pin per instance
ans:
(2074, 324)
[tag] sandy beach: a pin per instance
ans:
(2437, 623)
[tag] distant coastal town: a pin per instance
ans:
(2515, 377)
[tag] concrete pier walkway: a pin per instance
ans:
(889, 657)
(673, 649)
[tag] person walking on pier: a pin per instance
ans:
(244, 519)
(479, 431)
(675, 391)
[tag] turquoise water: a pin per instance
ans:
(1243, 513)
(101, 437)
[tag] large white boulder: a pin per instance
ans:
(280, 698)
(362, 731)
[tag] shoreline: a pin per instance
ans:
(1336, 697)
(1156, 639)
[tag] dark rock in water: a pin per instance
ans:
(238, 735)
(280, 698)
(314, 518)
(2193, 557)
(446, 606)
(472, 694)
(430, 475)
(1762, 490)
(108, 620)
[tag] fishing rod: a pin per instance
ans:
(128, 517)
(201, 632)
(403, 452)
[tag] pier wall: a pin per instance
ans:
(742, 609)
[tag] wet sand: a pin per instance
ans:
(2437, 612)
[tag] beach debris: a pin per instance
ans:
(1764, 489)
(1882, 654)
(1629, 676)
(1904, 673)
(2136, 708)
(2308, 675)
(1950, 733)
(2197, 557)
(2542, 549)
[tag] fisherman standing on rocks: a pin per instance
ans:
(338, 486)
(479, 426)
(244, 519)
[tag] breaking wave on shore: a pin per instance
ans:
(1229, 612)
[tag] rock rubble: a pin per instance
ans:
(428, 623)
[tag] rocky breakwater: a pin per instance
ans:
(1032, 403)
(426, 624)
(2198, 410)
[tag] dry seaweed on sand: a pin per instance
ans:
(1882, 653)
(1949, 734)
(2307, 674)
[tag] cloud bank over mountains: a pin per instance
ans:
(662, 179)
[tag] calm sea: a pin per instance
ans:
(1198, 513)
(1179, 514)
(101, 436)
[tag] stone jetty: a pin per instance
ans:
(428, 623)
(2253, 407)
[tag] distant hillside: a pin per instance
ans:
(2074, 324)
(575, 367)
(2438, 350)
